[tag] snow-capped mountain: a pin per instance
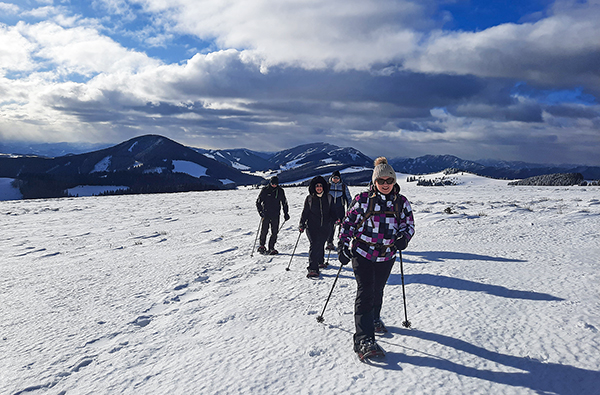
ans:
(147, 163)
(433, 164)
(495, 169)
(49, 150)
(309, 160)
(241, 159)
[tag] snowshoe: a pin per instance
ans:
(312, 273)
(367, 349)
(379, 327)
(322, 266)
(262, 250)
(273, 252)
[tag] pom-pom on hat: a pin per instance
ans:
(383, 169)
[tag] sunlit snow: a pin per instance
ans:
(191, 168)
(161, 294)
(102, 165)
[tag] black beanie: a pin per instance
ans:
(336, 174)
(274, 180)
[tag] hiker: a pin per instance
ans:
(341, 200)
(378, 223)
(317, 215)
(269, 204)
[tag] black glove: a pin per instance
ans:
(401, 243)
(261, 213)
(286, 216)
(301, 228)
(344, 254)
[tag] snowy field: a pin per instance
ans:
(157, 294)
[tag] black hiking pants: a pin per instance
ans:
(339, 209)
(317, 235)
(269, 223)
(371, 278)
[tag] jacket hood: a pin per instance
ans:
(318, 180)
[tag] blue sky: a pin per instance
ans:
(503, 80)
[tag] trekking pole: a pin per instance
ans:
(281, 227)
(337, 227)
(293, 252)
(320, 317)
(406, 322)
(257, 232)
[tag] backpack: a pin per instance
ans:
(370, 211)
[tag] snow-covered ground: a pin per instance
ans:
(155, 294)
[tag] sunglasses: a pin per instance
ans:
(388, 181)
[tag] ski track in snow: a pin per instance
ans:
(158, 293)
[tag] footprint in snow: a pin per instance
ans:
(142, 321)
(225, 251)
(180, 287)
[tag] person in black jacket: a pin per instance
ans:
(269, 204)
(317, 215)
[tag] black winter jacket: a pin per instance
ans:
(318, 211)
(271, 200)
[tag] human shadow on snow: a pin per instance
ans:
(467, 285)
(464, 285)
(539, 376)
(442, 256)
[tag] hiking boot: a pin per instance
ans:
(262, 250)
(322, 266)
(367, 348)
(312, 273)
(273, 252)
(330, 247)
(379, 327)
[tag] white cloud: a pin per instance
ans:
(560, 50)
(15, 50)
(336, 33)
(82, 50)
(9, 9)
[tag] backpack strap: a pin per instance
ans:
(370, 211)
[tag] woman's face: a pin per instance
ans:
(385, 184)
(319, 188)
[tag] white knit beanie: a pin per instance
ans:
(383, 169)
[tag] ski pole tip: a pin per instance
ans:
(320, 318)
(406, 324)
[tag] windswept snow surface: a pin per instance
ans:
(155, 294)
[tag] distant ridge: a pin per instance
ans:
(144, 164)
(153, 163)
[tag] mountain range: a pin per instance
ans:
(153, 163)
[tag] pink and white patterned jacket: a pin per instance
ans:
(374, 238)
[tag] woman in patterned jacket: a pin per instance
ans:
(378, 223)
